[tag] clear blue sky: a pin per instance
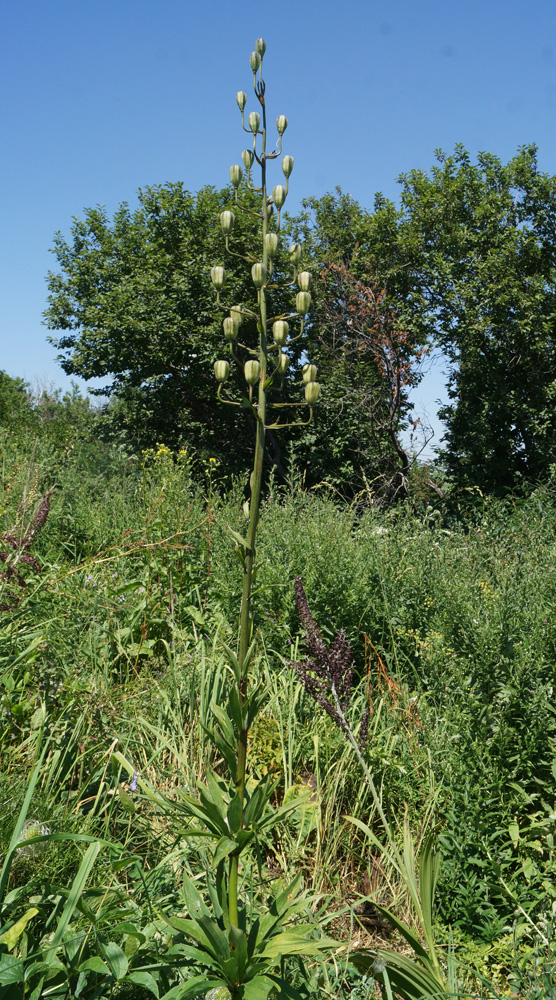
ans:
(100, 98)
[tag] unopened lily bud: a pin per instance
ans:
(231, 327)
(283, 362)
(260, 46)
(246, 509)
(227, 220)
(271, 243)
(258, 273)
(254, 121)
(255, 61)
(236, 313)
(241, 98)
(221, 370)
(312, 392)
(251, 370)
(287, 165)
(302, 302)
(281, 124)
(247, 156)
(236, 173)
(295, 253)
(304, 279)
(309, 373)
(280, 330)
(279, 195)
(218, 277)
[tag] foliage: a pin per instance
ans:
(478, 239)
(367, 363)
(134, 305)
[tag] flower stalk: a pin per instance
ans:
(260, 373)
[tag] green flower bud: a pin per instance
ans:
(247, 156)
(251, 370)
(280, 330)
(246, 509)
(231, 327)
(287, 165)
(241, 98)
(283, 362)
(254, 121)
(222, 370)
(279, 195)
(227, 220)
(236, 173)
(295, 253)
(255, 61)
(281, 124)
(236, 313)
(260, 46)
(304, 279)
(309, 373)
(271, 243)
(218, 277)
(258, 273)
(312, 392)
(302, 302)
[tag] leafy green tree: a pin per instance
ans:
(16, 405)
(479, 240)
(133, 303)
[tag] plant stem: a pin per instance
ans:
(245, 626)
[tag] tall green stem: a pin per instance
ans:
(245, 626)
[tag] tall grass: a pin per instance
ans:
(115, 648)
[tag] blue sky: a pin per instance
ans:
(103, 98)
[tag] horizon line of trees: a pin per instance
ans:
(466, 264)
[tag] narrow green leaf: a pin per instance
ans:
(234, 662)
(12, 846)
(235, 809)
(216, 793)
(76, 890)
(248, 657)
(195, 903)
(409, 936)
(224, 848)
(235, 709)
(241, 541)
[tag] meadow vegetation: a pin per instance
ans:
(288, 734)
(113, 646)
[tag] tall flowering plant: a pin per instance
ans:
(260, 366)
(234, 942)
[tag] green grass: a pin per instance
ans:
(117, 645)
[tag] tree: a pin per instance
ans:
(479, 242)
(132, 302)
(134, 305)
(361, 341)
(367, 360)
(16, 404)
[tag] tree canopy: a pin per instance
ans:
(465, 264)
(479, 240)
